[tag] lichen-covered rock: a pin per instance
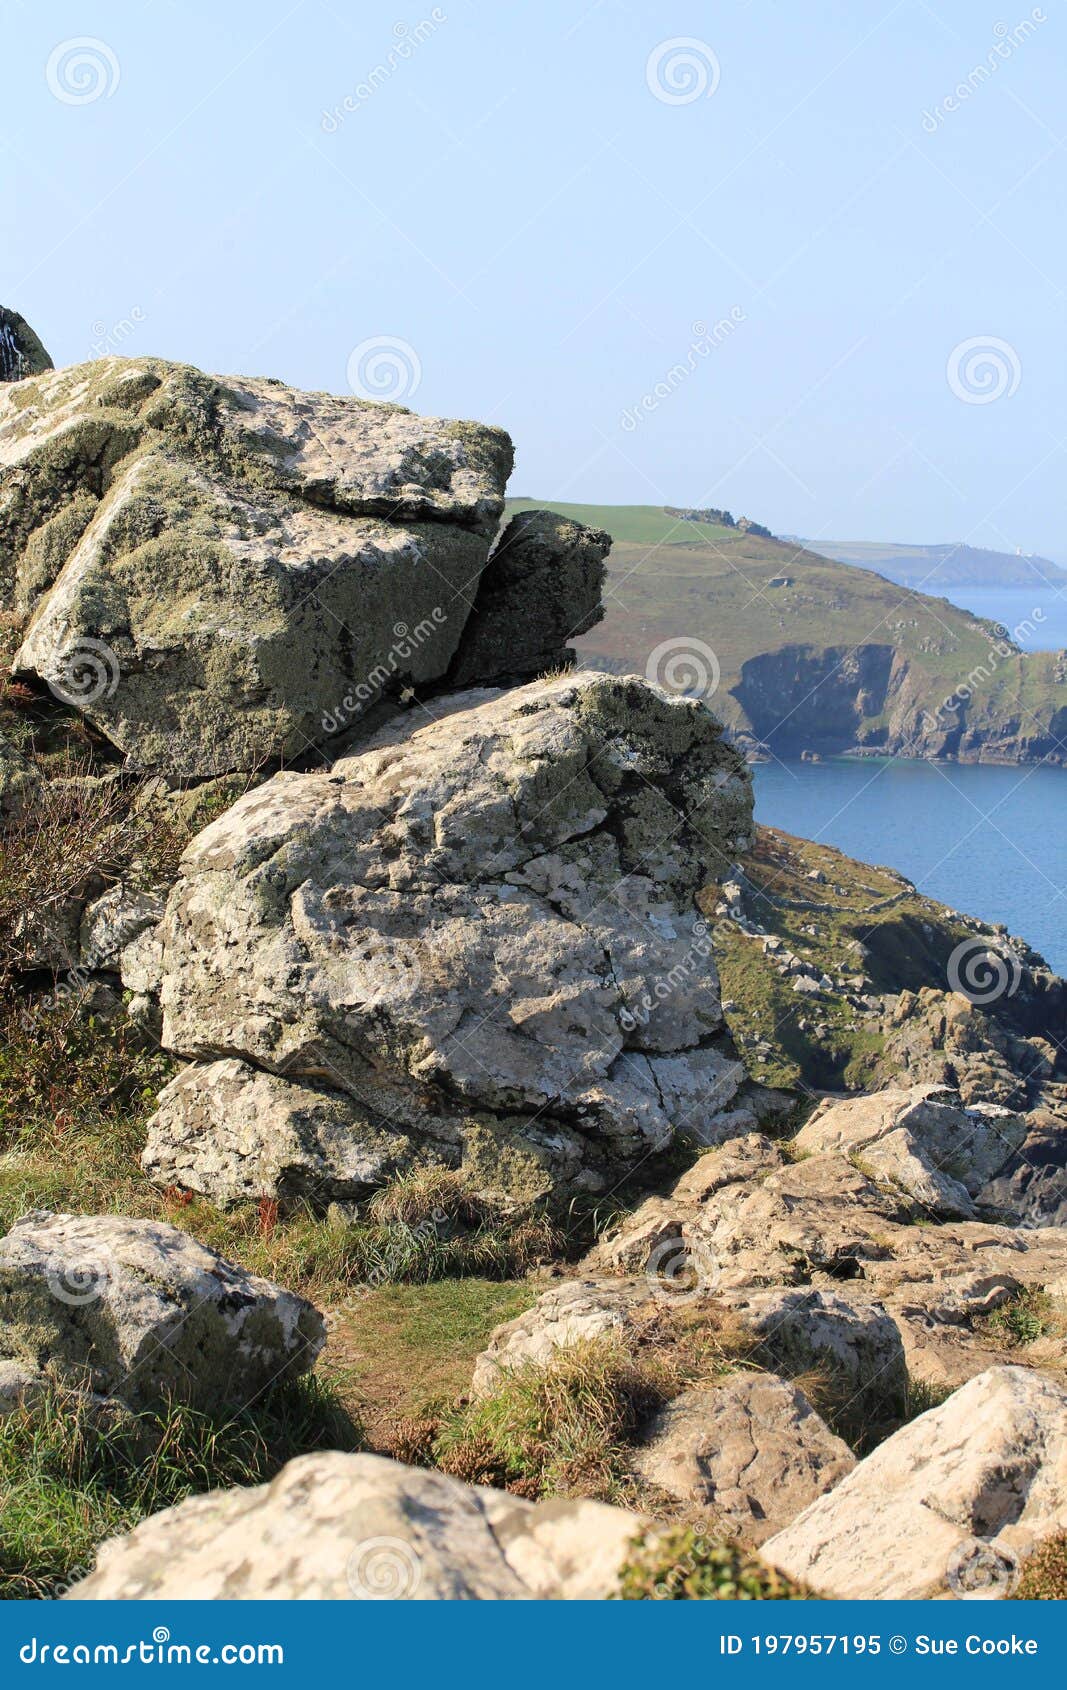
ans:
(138, 1310)
(540, 590)
(483, 929)
(752, 1451)
(219, 571)
(950, 1505)
(112, 922)
(19, 780)
(21, 352)
(234, 1134)
(923, 1140)
(335, 1527)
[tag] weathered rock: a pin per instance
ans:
(21, 353)
(113, 922)
(138, 1310)
(856, 1342)
(570, 1313)
(483, 929)
(1031, 1186)
(950, 1504)
(234, 1134)
(753, 1451)
(220, 571)
(922, 1140)
(540, 590)
(358, 1527)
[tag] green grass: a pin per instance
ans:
(1044, 1575)
(639, 525)
(73, 1473)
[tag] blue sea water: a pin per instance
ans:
(988, 840)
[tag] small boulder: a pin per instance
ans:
(752, 1450)
(570, 1313)
(540, 589)
(858, 1343)
(951, 1505)
(138, 1310)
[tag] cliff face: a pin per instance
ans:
(872, 698)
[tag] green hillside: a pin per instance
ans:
(812, 654)
(638, 525)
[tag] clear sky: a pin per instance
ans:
(551, 206)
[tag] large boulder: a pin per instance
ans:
(335, 1527)
(21, 352)
(138, 1310)
(855, 1342)
(950, 1505)
(221, 571)
(751, 1451)
(481, 932)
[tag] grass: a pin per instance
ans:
(684, 1565)
(1022, 1320)
(72, 1474)
(640, 525)
(568, 1426)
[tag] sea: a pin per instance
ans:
(986, 839)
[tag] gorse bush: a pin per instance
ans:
(682, 1565)
(1044, 1576)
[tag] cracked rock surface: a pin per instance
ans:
(481, 931)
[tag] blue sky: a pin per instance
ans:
(544, 240)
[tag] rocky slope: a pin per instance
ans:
(498, 976)
(803, 653)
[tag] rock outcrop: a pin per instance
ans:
(480, 932)
(218, 572)
(950, 1505)
(21, 352)
(922, 1141)
(749, 1222)
(335, 1527)
(137, 1310)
